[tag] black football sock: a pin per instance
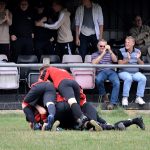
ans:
(107, 127)
(76, 110)
(126, 123)
(100, 120)
(29, 114)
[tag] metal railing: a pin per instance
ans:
(78, 65)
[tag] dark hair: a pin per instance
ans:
(39, 4)
(59, 2)
(136, 15)
(23, 1)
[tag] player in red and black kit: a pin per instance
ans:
(97, 122)
(67, 87)
(64, 116)
(47, 91)
(40, 116)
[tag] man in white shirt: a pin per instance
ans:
(89, 26)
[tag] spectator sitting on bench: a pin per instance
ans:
(105, 55)
(141, 33)
(130, 55)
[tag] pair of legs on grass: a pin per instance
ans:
(47, 91)
(69, 89)
(64, 115)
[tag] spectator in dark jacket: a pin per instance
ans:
(22, 30)
(43, 37)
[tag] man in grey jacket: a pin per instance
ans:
(141, 33)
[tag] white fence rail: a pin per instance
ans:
(76, 65)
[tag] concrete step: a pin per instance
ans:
(13, 102)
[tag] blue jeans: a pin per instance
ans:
(112, 76)
(128, 78)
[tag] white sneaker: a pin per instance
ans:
(139, 100)
(124, 101)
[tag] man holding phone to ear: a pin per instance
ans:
(105, 55)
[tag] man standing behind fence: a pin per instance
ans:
(89, 26)
(105, 55)
(131, 55)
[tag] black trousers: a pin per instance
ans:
(90, 111)
(45, 90)
(64, 115)
(85, 42)
(69, 89)
(66, 118)
(64, 48)
(4, 49)
(43, 48)
(22, 46)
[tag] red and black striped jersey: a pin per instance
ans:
(56, 75)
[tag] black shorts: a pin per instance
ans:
(69, 89)
(64, 115)
(45, 90)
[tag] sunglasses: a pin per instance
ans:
(103, 46)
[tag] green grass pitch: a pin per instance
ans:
(15, 134)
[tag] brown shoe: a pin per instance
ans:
(95, 125)
(44, 126)
(110, 106)
(105, 98)
(55, 125)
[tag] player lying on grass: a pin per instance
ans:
(91, 113)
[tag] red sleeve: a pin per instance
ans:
(82, 97)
